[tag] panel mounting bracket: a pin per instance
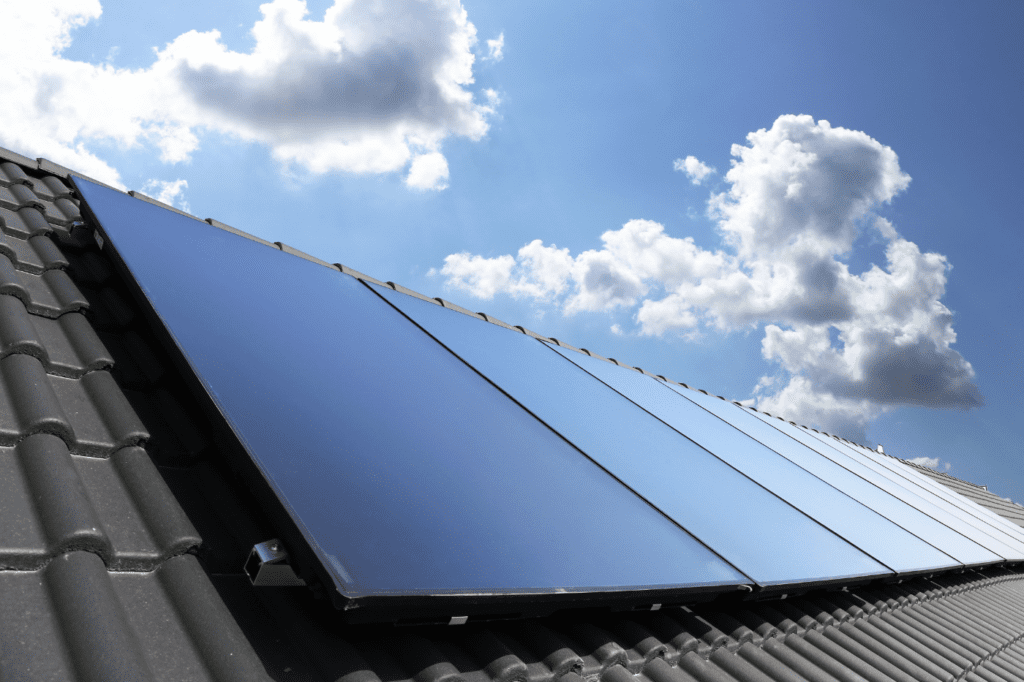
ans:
(267, 566)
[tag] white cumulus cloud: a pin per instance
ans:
(369, 88)
(930, 462)
(695, 169)
(847, 346)
(428, 171)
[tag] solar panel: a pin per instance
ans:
(893, 508)
(877, 475)
(961, 501)
(756, 531)
(409, 451)
(860, 525)
(947, 501)
(403, 470)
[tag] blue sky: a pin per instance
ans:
(530, 160)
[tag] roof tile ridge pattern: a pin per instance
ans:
(962, 627)
(95, 550)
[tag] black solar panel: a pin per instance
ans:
(857, 523)
(408, 451)
(405, 471)
(755, 530)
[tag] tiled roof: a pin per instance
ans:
(122, 536)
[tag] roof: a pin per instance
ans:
(122, 535)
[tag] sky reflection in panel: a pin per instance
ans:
(847, 517)
(754, 530)
(869, 471)
(406, 471)
(893, 508)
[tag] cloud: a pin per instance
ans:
(367, 89)
(847, 347)
(171, 192)
(428, 171)
(495, 47)
(694, 169)
(930, 462)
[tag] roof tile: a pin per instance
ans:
(8, 155)
(24, 223)
(89, 413)
(29, 402)
(67, 346)
(56, 186)
(12, 173)
(51, 293)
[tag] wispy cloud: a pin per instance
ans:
(495, 48)
(171, 192)
(365, 90)
(847, 347)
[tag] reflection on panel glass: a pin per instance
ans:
(406, 471)
(896, 510)
(864, 468)
(753, 529)
(859, 525)
(951, 496)
(943, 499)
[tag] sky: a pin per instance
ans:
(812, 209)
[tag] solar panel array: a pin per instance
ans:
(422, 451)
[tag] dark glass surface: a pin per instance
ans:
(866, 469)
(754, 530)
(405, 470)
(947, 499)
(896, 510)
(847, 517)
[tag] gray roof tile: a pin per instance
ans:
(15, 157)
(50, 293)
(24, 222)
(75, 619)
(56, 186)
(90, 414)
(12, 174)
(67, 346)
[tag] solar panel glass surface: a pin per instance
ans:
(877, 475)
(893, 508)
(406, 472)
(756, 531)
(860, 525)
